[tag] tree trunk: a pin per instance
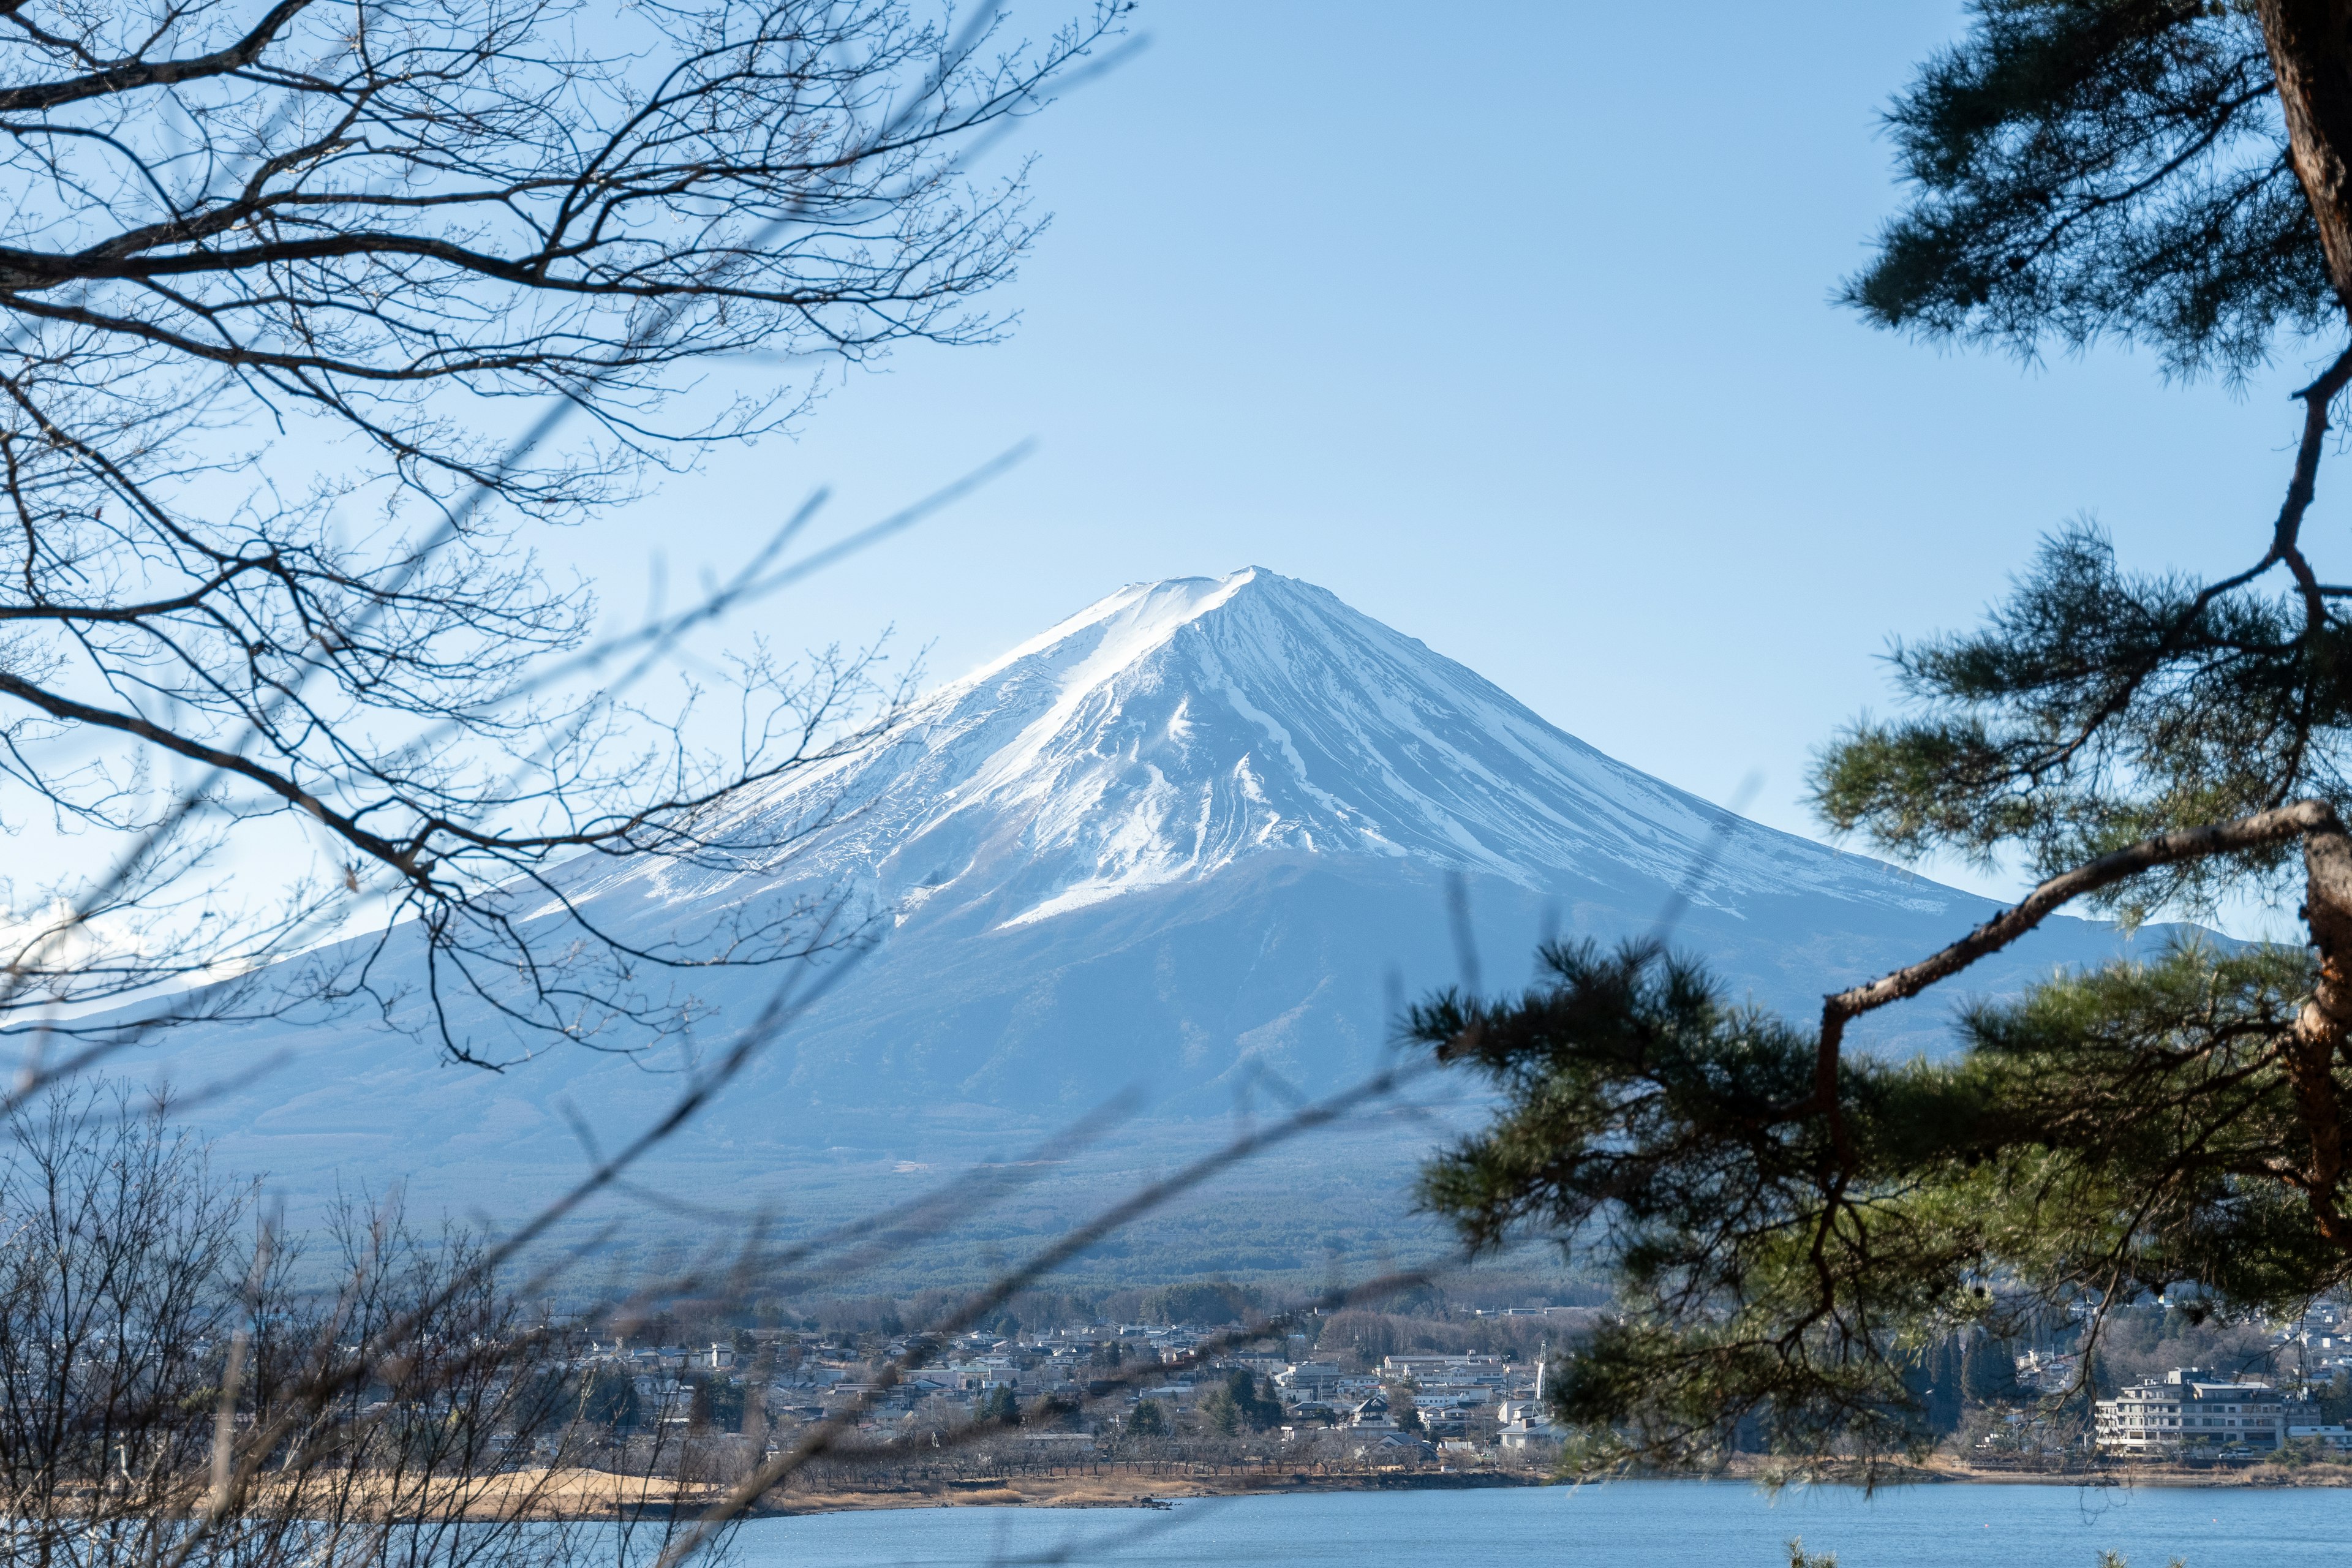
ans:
(2322, 1031)
(2310, 44)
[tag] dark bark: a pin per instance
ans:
(2320, 1033)
(2310, 44)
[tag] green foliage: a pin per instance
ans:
(2335, 1400)
(2090, 168)
(716, 1404)
(1799, 1235)
(608, 1397)
(1988, 1370)
(1205, 1303)
(1148, 1421)
(2096, 708)
(2110, 1134)
(1801, 1558)
(1239, 1405)
(998, 1404)
(1056, 1412)
(1403, 1412)
(1934, 1379)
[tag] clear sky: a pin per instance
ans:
(1509, 324)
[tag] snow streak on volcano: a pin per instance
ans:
(1173, 731)
(1193, 839)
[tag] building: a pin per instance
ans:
(1308, 1376)
(2185, 1412)
(1525, 1423)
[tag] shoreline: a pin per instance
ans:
(1134, 1489)
(1119, 1485)
(1130, 1490)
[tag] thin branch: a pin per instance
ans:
(2259, 831)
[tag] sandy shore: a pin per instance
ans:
(592, 1494)
(596, 1494)
(1124, 1489)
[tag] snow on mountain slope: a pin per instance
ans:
(1172, 729)
(1194, 839)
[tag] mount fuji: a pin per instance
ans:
(1195, 840)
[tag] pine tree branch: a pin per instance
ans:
(2259, 831)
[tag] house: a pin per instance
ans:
(1423, 1367)
(1308, 1374)
(1525, 1423)
(2047, 1372)
(2186, 1411)
(1397, 1445)
(1373, 1415)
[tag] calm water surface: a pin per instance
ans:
(1631, 1524)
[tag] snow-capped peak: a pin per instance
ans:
(1118, 628)
(1171, 729)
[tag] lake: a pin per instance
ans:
(1629, 1524)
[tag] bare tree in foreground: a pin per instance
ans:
(154, 1327)
(312, 320)
(315, 320)
(1798, 1225)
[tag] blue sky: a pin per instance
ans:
(1509, 324)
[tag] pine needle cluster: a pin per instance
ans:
(1797, 1231)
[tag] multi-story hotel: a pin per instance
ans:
(2185, 1410)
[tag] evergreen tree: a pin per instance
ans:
(2098, 1376)
(608, 1397)
(1148, 1420)
(1220, 1414)
(1935, 1385)
(1798, 1225)
(715, 1404)
(999, 1404)
(2335, 1398)
(1988, 1370)
(1239, 1405)
(1402, 1411)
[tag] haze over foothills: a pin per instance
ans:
(1188, 845)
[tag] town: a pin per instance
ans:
(1198, 1393)
(1175, 1392)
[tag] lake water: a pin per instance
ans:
(1629, 1524)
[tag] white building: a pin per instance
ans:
(2184, 1411)
(1525, 1423)
(1308, 1374)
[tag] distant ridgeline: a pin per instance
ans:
(1193, 841)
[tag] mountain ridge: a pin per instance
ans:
(1045, 726)
(1191, 841)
